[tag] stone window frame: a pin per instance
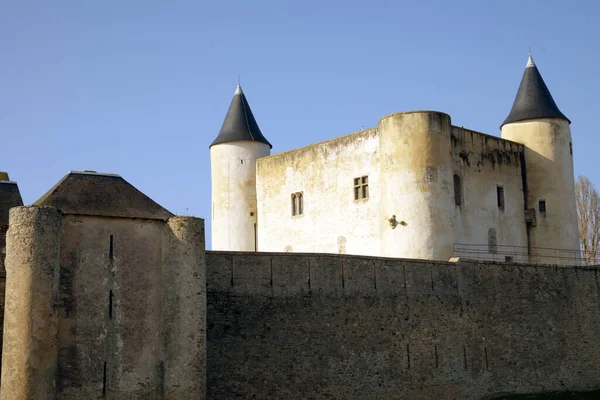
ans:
(297, 204)
(361, 188)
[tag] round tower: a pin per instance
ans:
(536, 121)
(233, 157)
(417, 198)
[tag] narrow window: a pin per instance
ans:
(571, 147)
(500, 196)
(361, 188)
(110, 304)
(104, 380)
(542, 206)
(297, 204)
(492, 241)
(458, 200)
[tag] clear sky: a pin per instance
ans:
(140, 87)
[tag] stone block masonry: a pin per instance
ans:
(9, 197)
(103, 307)
(30, 343)
(306, 326)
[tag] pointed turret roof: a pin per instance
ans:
(239, 122)
(533, 99)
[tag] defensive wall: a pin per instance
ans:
(104, 296)
(307, 326)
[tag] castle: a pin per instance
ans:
(108, 295)
(412, 187)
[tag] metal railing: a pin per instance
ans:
(522, 254)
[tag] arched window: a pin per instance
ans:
(492, 241)
(458, 197)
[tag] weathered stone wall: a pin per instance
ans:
(550, 177)
(29, 345)
(300, 326)
(111, 294)
(9, 197)
(484, 163)
(410, 160)
(332, 220)
(121, 315)
(416, 185)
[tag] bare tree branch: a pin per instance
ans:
(588, 218)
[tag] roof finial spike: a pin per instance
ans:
(530, 62)
(238, 89)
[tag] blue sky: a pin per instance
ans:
(140, 88)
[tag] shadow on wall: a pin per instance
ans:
(338, 326)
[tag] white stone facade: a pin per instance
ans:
(411, 210)
(414, 186)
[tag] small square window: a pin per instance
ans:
(500, 196)
(297, 204)
(542, 206)
(361, 188)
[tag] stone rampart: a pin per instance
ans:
(300, 326)
(103, 307)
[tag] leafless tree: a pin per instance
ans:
(588, 218)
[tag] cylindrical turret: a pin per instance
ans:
(536, 122)
(550, 181)
(184, 308)
(233, 173)
(416, 185)
(30, 347)
(233, 157)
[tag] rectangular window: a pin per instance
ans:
(361, 188)
(297, 204)
(500, 196)
(542, 206)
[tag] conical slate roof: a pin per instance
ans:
(533, 98)
(239, 122)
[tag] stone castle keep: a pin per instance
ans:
(109, 295)
(413, 187)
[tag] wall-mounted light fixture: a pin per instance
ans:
(394, 222)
